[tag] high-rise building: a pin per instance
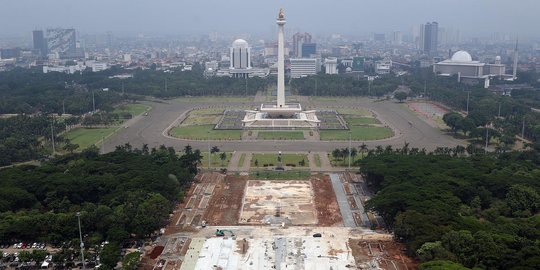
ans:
(240, 59)
(429, 35)
(298, 40)
(398, 38)
(40, 43)
(62, 41)
(309, 49)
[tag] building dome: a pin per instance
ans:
(461, 56)
(497, 58)
(240, 43)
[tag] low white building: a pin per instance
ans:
(383, 67)
(330, 65)
(302, 67)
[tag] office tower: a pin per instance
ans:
(298, 40)
(429, 38)
(40, 44)
(62, 41)
(309, 49)
(398, 38)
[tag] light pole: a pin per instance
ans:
(468, 101)
(209, 155)
(80, 238)
(349, 150)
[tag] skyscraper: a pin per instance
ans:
(62, 41)
(40, 44)
(429, 38)
(298, 40)
(308, 49)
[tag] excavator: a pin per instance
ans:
(222, 232)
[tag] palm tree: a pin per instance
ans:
(354, 153)
(223, 157)
(363, 148)
(379, 150)
(214, 149)
(335, 154)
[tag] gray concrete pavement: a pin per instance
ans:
(345, 209)
(409, 128)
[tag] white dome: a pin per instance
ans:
(461, 56)
(240, 43)
(497, 58)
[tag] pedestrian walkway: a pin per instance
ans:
(346, 213)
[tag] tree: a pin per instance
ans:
(223, 157)
(363, 148)
(336, 153)
(522, 200)
(442, 265)
(354, 153)
(131, 261)
(70, 147)
(214, 149)
(109, 255)
(256, 162)
(453, 120)
(400, 96)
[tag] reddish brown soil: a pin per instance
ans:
(326, 205)
(388, 254)
(156, 252)
(224, 207)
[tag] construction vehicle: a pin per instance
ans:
(222, 232)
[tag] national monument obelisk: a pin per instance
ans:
(281, 61)
(281, 114)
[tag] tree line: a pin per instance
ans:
(459, 211)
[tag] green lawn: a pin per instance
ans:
(86, 137)
(280, 135)
(242, 160)
(358, 133)
(280, 175)
(356, 112)
(272, 159)
(134, 109)
(361, 121)
(204, 132)
(214, 99)
(215, 161)
(317, 160)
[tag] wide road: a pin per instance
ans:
(408, 127)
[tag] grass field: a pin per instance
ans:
(358, 133)
(134, 109)
(242, 160)
(204, 132)
(214, 99)
(277, 175)
(86, 137)
(317, 160)
(215, 161)
(286, 159)
(362, 121)
(203, 117)
(356, 112)
(280, 135)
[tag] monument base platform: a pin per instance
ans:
(288, 116)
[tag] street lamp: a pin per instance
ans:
(349, 150)
(80, 238)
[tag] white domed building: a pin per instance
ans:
(240, 59)
(465, 67)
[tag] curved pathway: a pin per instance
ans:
(408, 127)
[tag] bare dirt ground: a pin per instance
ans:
(388, 255)
(289, 201)
(325, 201)
(224, 206)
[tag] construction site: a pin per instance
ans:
(233, 222)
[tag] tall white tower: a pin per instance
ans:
(281, 60)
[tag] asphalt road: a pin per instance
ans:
(407, 126)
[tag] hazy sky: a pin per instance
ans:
(18, 17)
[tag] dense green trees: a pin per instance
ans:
(128, 191)
(477, 211)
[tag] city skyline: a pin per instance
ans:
(349, 17)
